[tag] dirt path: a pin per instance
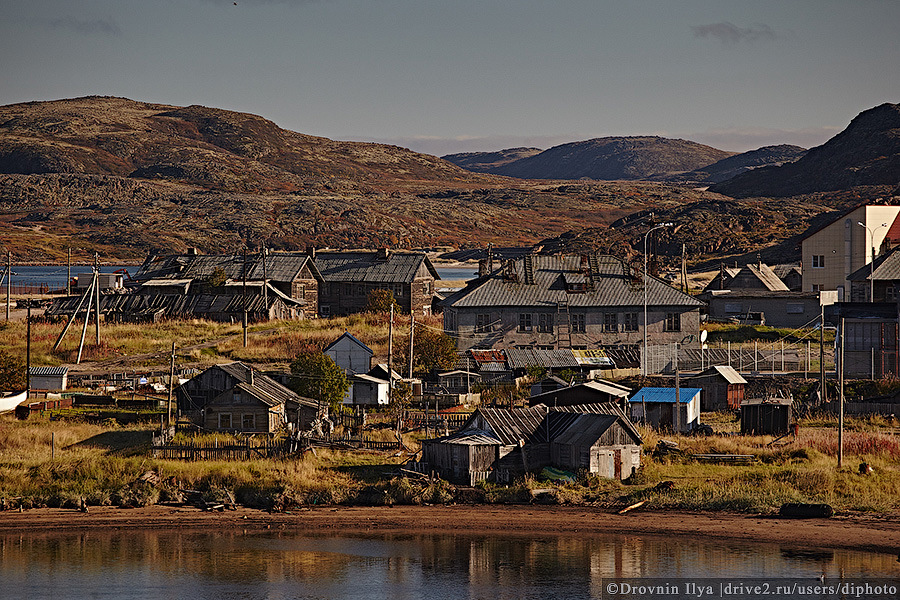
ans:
(866, 533)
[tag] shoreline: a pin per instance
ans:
(862, 533)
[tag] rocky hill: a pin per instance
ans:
(732, 166)
(866, 153)
(613, 158)
(487, 162)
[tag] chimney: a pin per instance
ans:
(311, 251)
(483, 268)
(382, 254)
(585, 264)
(251, 377)
(192, 251)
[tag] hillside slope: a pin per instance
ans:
(867, 152)
(767, 156)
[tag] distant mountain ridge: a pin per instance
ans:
(740, 163)
(487, 162)
(866, 153)
(608, 158)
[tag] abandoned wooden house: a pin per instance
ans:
(578, 302)
(498, 444)
(235, 397)
(349, 277)
(766, 416)
(723, 388)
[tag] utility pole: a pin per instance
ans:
(677, 419)
(244, 293)
(68, 271)
(28, 352)
(841, 401)
(8, 280)
(823, 392)
(97, 298)
(87, 317)
(391, 357)
(265, 254)
(412, 328)
(171, 384)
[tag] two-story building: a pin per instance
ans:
(579, 302)
(834, 251)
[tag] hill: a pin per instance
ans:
(739, 163)
(866, 153)
(614, 158)
(488, 162)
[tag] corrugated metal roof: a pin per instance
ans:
(371, 266)
(495, 356)
(728, 373)
(887, 268)
(279, 266)
(49, 371)
(604, 408)
(613, 285)
(586, 429)
(766, 277)
(470, 437)
(263, 386)
(493, 367)
(511, 426)
(650, 394)
(522, 358)
(175, 305)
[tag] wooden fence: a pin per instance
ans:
(451, 422)
(250, 450)
(351, 442)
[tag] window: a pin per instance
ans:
(248, 422)
(524, 321)
(482, 323)
(398, 290)
(734, 307)
(578, 323)
(545, 348)
(673, 322)
(818, 261)
(890, 293)
(224, 420)
(545, 322)
(235, 397)
(360, 290)
(348, 289)
(631, 321)
(610, 322)
(816, 287)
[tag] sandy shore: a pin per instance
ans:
(869, 533)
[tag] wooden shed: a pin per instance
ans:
(766, 416)
(604, 445)
(466, 456)
(723, 388)
(656, 407)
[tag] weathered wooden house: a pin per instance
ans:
(349, 277)
(578, 302)
(758, 276)
(766, 416)
(234, 397)
(656, 408)
(353, 356)
(591, 392)
(499, 444)
(723, 388)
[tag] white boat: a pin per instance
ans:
(10, 400)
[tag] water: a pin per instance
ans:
(280, 565)
(455, 273)
(54, 276)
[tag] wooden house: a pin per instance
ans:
(353, 356)
(591, 392)
(498, 444)
(723, 388)
(545, 302)
(234, 397)
(349, 277)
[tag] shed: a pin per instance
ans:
(600, 444)
(655, 407)
(766, 416)
(592, 392)
(51, 379)
(367, 390)
(723, 388)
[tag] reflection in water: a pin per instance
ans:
(246, 565)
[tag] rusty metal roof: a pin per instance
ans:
(523, 358)
(510, 425)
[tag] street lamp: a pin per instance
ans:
(871, 231)
(644, 355)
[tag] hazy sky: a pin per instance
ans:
(443, 76)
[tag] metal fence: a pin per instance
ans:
(755, 357)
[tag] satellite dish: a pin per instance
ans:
(703, 335)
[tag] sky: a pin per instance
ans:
(446, 76)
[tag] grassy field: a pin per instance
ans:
(55, 463)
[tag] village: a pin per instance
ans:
(541, 371)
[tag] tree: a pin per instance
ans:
(380, 301)
(317, 376)
(12, 372)
(432, 350)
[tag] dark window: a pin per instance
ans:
(545, 322)
(610, 322)
(482, 323)
(224, 420)
(524, 321)
(818, 261)
(248, 422)
(631, 321)
(578, 323)
(673, 321)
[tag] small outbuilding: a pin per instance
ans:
(50, 379)
(656, 407)
(723, 388)
(766, 416)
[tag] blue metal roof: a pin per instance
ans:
(651, 394)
